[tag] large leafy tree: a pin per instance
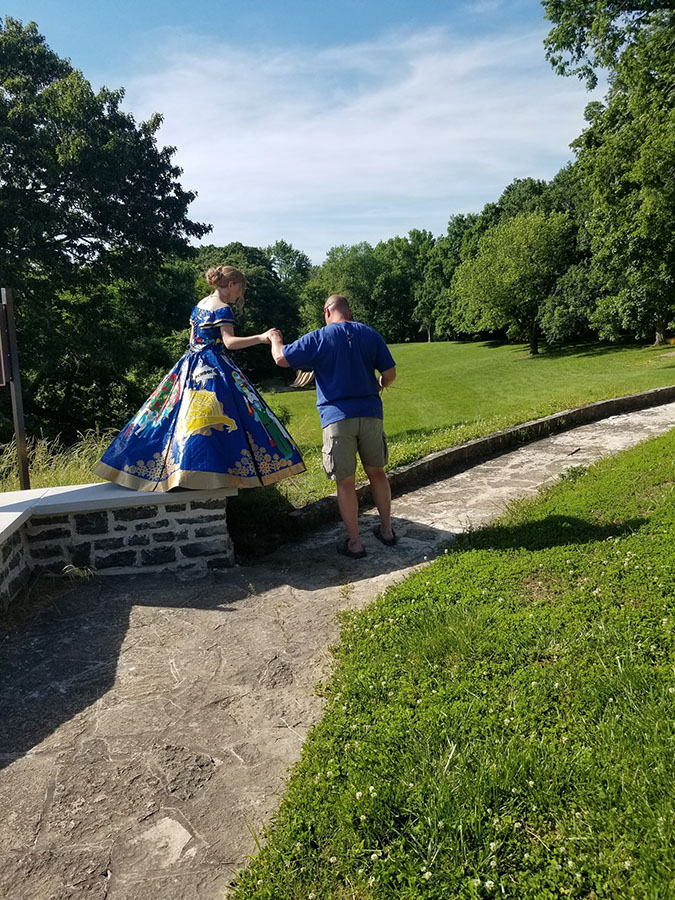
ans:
(588, 35)
(515, 270)
(91, 212)
(626, 156)
(268, 302)
(82, 184)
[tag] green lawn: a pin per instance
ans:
(501, 723)
(447, 393)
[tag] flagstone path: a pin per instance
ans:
(147, 725)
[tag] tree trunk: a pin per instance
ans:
(534, 341)
(429, 338)
(660, 336)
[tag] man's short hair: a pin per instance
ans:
(337, 301)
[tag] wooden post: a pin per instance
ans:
(10, 355)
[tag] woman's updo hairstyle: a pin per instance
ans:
(221, 276)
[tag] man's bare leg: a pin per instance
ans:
(348, 505)
(381, 491)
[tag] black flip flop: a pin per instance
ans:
(388, 542)
(343, 549)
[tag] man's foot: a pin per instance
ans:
(387, 541)
(344, 549)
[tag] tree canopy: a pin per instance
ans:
(84, 189)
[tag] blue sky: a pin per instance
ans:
(328, 123)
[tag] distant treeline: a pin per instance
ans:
(94, 233)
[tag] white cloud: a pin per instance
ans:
(357, 142)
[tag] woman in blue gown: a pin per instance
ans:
(205, 426)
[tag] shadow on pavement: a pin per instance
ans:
(60, 647)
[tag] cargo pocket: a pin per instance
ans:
(328, 458)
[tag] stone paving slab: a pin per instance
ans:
(148, 723)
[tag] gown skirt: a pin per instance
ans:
(205, 426)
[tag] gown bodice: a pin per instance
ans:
(206, 326)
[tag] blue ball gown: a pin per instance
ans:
(205, 426)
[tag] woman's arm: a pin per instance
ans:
(232, 342)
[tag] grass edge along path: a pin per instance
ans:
(500, 723)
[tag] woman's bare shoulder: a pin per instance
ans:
(211, 303)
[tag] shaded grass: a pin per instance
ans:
(500, 724)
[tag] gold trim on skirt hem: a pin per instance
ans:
(196, 481)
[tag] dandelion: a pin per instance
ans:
(333, 859)
(311, 896)
(373, 856)
(489, 885)
(359, 794)
(627, 864)
(371, 880)
(531, 783)
(441, 824)
(363, 818)
(427, 875)
(298, 846)
(371, 789)
(493, 845)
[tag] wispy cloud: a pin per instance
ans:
(357, 142)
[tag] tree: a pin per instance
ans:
(592, 34)
(514, 271)
(627, 159)
(292, 266)
(93, 220)
(267, 302)
(349, 270)
(83, 187)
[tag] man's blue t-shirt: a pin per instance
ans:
(344, 356)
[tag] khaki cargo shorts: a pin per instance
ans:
(342, 440)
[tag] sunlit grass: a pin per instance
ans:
(500, 724)
(52, 463)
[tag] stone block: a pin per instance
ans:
(119, 559)
(138, 540)
(109, 544)
(200, 519)
(203, 548)
(91, 523)
(165, 537)
(80, 554)
(160, 523)
(211, 530)
(208, 504)
(47, 552)
(175, 507)
(135, 513)
(47, 534)
(40, 521)
(10, 546)
(157, 556)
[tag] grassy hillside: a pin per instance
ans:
(450, 385)
(444, 394)
(500, 724)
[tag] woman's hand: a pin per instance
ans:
(267, 336)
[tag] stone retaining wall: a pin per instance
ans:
(166, 537)
(16, 571)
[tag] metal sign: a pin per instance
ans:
(9, 366)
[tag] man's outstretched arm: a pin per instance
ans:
(277, 347)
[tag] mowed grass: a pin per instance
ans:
(501, 723)
(448, 393)
(445, 393)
